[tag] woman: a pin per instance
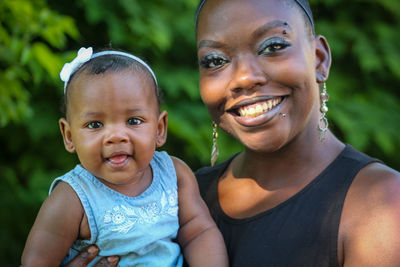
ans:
(296, 195)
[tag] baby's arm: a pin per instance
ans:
(198, 235)
(55, 229)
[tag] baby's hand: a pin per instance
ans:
(88, 254)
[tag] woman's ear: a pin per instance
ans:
(323, 58)
(162, 128)
(66, 133)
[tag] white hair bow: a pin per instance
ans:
(84, 55)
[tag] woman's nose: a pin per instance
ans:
(116, 135)
(247, 74)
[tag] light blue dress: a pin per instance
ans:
(141, 229)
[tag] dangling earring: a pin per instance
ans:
(214, 150)
(323, 121)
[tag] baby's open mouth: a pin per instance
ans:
(256, 109)
(118, 159)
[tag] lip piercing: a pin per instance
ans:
(283, 115)
(284, 32)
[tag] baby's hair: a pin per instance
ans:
(302, 5)
(109, 63)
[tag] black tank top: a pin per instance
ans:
(301, 231)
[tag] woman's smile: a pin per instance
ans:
(257, 111)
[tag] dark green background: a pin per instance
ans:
(37, 37)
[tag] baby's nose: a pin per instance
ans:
(115, 135)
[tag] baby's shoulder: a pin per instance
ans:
(181, 168)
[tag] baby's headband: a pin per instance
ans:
(302, 3)
(86, 54)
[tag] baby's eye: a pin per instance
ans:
(94, 125)
(134, 121)
(213, 61)
(272, 45)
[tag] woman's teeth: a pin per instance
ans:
(259, 108)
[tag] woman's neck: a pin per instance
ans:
(296, 163)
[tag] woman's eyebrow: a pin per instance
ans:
(269, 26)
(210, 43)
(257, 33)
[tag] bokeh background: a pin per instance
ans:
(38, 36)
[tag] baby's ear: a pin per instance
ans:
(162, 128)
(66, 133)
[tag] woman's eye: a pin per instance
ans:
(272, 45)
(134, 121)
(94, 125)
(213, 61)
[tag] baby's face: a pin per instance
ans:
(113, 121)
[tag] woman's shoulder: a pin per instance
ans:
(374, 174)
(374, 184)
(213, 171)
(371, 215)
(377, 177)
(206, 175)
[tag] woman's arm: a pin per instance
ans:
(198, 235)
(55, 229)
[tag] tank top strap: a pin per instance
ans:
(342, 171)
(163, 168)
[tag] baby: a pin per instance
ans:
(124, 196)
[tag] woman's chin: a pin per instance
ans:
(263, 142)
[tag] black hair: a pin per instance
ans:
(109, 63)
(306, 12)
(303, 5)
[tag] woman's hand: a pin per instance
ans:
(88, 254)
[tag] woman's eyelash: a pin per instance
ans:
(213, 61)
(272, 45)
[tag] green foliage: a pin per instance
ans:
(363, 85)
(38, 36)
(27, 29)
(31, 35)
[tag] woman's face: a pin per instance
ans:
(259, 68)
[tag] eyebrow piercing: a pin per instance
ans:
(283, 115)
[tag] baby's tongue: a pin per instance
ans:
(117, 159)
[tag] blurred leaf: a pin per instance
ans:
(47, 59)
(25, 57)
